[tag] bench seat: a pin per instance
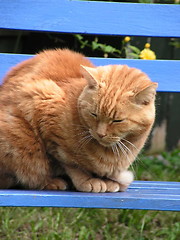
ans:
(149, 195)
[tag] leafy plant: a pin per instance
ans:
(126, 50)
(95, 45)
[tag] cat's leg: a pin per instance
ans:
(31, 172)
(35, 172)
(23, 161)
(124, 178)
(35, 176)
(85, 182)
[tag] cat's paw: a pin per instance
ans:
(112, 186)
(92, 185)
(56, 184)
(124, 178)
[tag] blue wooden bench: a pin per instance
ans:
(128, 19)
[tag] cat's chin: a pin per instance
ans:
(106, 144)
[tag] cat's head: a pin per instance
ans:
(118, 101)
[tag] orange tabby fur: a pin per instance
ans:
(61, 115)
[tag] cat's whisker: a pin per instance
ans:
(83, 133)
(131, 144)
(112, 147)
(83, 142)
(125, 152)
(88, 139)
(138, 150)
(138, 160)
(115, 151)
(126, 148)
(83, 139)
(122, 149)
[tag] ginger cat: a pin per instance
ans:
(62, 116)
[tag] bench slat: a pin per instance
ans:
(82, 17)
(158, 70)
(134, 198)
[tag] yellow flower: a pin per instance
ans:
(147, 45)
(147, 54)
(127, 39)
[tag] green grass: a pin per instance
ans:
(100, 224)
(164, 167)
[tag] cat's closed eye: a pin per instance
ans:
(118, 120)
(113, 121)
(94, 114)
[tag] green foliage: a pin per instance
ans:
(126, 49)
(164, 167)
(95, 45)
(146, 1)
(101, 224)
(175, 43)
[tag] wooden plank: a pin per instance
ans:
(91, 17)
(133, 198)
(158, 70)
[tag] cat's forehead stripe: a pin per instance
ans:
(107, 106)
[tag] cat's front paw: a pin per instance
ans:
(124, 178)
(112, 186)
(92, 185)
(56, 184)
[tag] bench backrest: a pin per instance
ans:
(73, 16)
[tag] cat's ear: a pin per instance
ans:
(145, 96)
(89, 74)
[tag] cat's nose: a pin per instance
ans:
(101, 135)
(101, 129)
